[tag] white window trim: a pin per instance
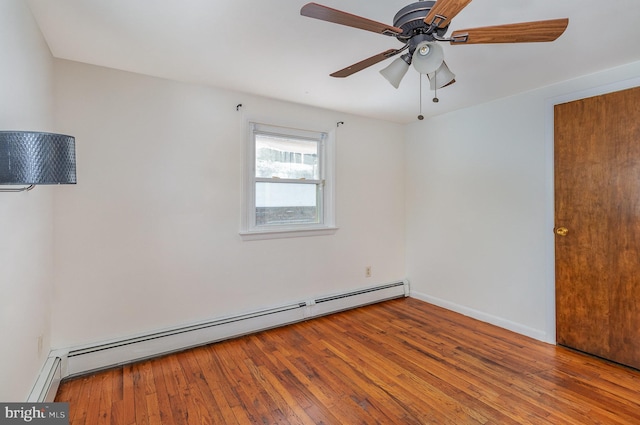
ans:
(249, 231)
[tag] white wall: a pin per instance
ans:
(479, 192)
(26, 230)
(148, 238)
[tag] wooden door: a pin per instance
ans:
(597, 199)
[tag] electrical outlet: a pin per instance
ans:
(367, 271)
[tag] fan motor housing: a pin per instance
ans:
(411, 19)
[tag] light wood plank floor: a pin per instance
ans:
(398, 362)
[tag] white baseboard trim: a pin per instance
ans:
(85, 359)
(483, 317)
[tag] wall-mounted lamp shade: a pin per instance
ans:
(31, 158)
(396, 70)
(441, 78)
(427, 57)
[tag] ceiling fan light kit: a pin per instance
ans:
(395, 72)
(441, 78)
(427, 57)
(421, 26)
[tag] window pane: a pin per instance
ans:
(286, 203)
(286, 158)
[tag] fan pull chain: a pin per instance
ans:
(435, 88)
(420, 117)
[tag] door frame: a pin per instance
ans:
(550, 238)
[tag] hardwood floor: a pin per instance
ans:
(398, 362)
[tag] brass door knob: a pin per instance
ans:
(562, 231)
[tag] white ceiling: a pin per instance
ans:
(265, 47)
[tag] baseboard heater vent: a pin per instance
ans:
(86, 359)
(334, 303)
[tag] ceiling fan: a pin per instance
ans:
(420, 26)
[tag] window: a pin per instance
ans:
(288, 183)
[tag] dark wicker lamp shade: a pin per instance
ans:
(31, 158)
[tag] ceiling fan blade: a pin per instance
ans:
(444, 11)
(365, 63)
(324, 13)
(524, 32)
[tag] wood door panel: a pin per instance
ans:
(597, 192)
(580, 326)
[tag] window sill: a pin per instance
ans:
(281, 233)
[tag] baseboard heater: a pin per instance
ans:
(334, 303)
(46, 386)
(86, 359)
